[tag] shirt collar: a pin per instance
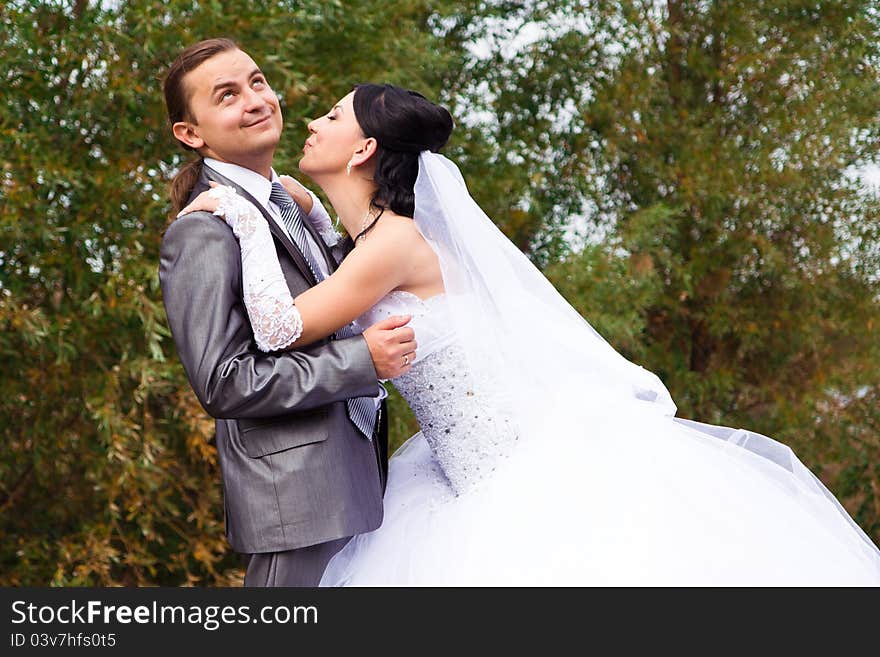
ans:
(255, 184)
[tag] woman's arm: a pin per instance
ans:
(201, 276)
(369, 272)
(279, 321)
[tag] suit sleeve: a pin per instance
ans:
(201, 278)
(341, 249)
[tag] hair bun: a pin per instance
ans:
(404, 123)
(415, 124)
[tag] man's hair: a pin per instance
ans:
(177, 97)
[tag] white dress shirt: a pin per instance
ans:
(260, 188)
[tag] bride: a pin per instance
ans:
(544, 456)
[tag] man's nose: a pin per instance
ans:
(252, 99)
(312, 126)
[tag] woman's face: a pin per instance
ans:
(334, 139)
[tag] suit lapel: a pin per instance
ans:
(296, 255)
(345, 246)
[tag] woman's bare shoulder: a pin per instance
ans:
(395, 243)
(397, 228)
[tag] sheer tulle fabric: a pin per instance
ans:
(633, 502)
(605, 485)
(515, 326)
(620, 497)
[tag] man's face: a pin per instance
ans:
(235, 115)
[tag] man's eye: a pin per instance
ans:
(259, 81)
(225, 95)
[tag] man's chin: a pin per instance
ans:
(262, 133)
(262, 143)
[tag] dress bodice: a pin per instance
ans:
(460, 417)
(432, 333)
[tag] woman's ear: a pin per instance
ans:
(365, 152)
(185, 132)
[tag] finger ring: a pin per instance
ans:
(406, 359)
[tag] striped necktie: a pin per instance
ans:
(293, 221)
(361, 410)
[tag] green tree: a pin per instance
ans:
(682, 170)
(107, 474)
(722, 140)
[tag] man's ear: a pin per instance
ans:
(365, 152)
(185, 132)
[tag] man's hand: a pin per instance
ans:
(392, 346)
(299, 193)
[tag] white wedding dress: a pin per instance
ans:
(596, 499)
(559, 464)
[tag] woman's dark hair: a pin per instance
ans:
(177, 98)
(404, 123)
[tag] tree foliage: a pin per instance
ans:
(107, 473)
(683, 171)
(722, 146)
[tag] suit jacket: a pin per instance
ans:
(296, 471)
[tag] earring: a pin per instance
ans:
(348, 168)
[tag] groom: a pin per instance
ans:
(301, 435)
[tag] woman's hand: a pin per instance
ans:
(206, 201)
(227, 205)
(299, 193)
(315, 213)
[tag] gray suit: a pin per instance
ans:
(296, 471)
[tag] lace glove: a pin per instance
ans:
(318, 216)
(275, 320)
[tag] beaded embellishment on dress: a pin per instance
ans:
(459, 417)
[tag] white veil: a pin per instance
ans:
(541, 359)
(516, 330)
